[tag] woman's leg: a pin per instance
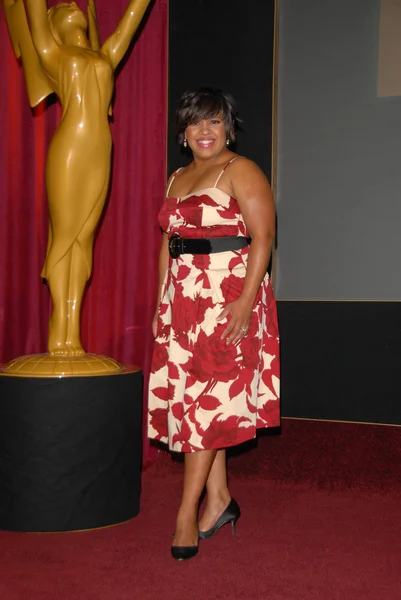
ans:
(197, 469)
(218, 495)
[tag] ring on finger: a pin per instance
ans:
(244, 329)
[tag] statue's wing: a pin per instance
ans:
(93, 26)
(37, 83)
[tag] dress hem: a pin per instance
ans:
(214, 446)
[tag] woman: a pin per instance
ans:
(215, 370)
(81, 72)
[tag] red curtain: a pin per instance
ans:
(120, 301)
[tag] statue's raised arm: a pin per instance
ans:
(43, 38)
(93, 26)
(117, 44)
(38, 84)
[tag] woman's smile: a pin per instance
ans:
(205, 142)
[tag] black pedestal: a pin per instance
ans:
(70, 451)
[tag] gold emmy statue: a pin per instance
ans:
(61, 53)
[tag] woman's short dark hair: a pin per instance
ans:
(204, 103)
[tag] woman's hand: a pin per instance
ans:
(154, 323)
(239, 314)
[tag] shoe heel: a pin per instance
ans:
(233, 524)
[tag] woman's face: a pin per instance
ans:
(66, 17)
(207, 137)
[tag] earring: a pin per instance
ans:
(227, 142)
(185, 144)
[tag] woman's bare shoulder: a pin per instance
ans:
(244, 164)
(177, 173)
(244, 168)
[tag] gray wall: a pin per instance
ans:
(339, 156)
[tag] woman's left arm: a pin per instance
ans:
(117, 44)
(255, 199)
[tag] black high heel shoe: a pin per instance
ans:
(183, 552)
(230, 515)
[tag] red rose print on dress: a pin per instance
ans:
(183, 436)
(183, 272)
(251, 352)
(183, 316)
(203, 304)
(254, 324)
(205, 200)
(173, 372)
(231, 287)
(213, 359)
(241, 383)
(201, 261)
(231, 211)
(163, 329)
(158, 420)
(193, 214)
(235, 261)
(160, 356)
(269, 414)
(178, 410)
(227, 432)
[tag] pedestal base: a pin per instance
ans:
(70, 451)
(47, 365)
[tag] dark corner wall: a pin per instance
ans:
(226, 44)
(341, 361)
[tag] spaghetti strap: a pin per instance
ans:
(224, 168)
(171, 181)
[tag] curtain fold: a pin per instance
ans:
(120, 300)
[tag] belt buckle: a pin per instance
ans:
(174, 246)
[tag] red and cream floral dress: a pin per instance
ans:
(203, 392)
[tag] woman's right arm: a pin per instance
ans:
(163, 262)
(43, 40)
(163, 266)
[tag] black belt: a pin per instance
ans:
(178, 245)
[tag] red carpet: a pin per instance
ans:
(321, 520)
